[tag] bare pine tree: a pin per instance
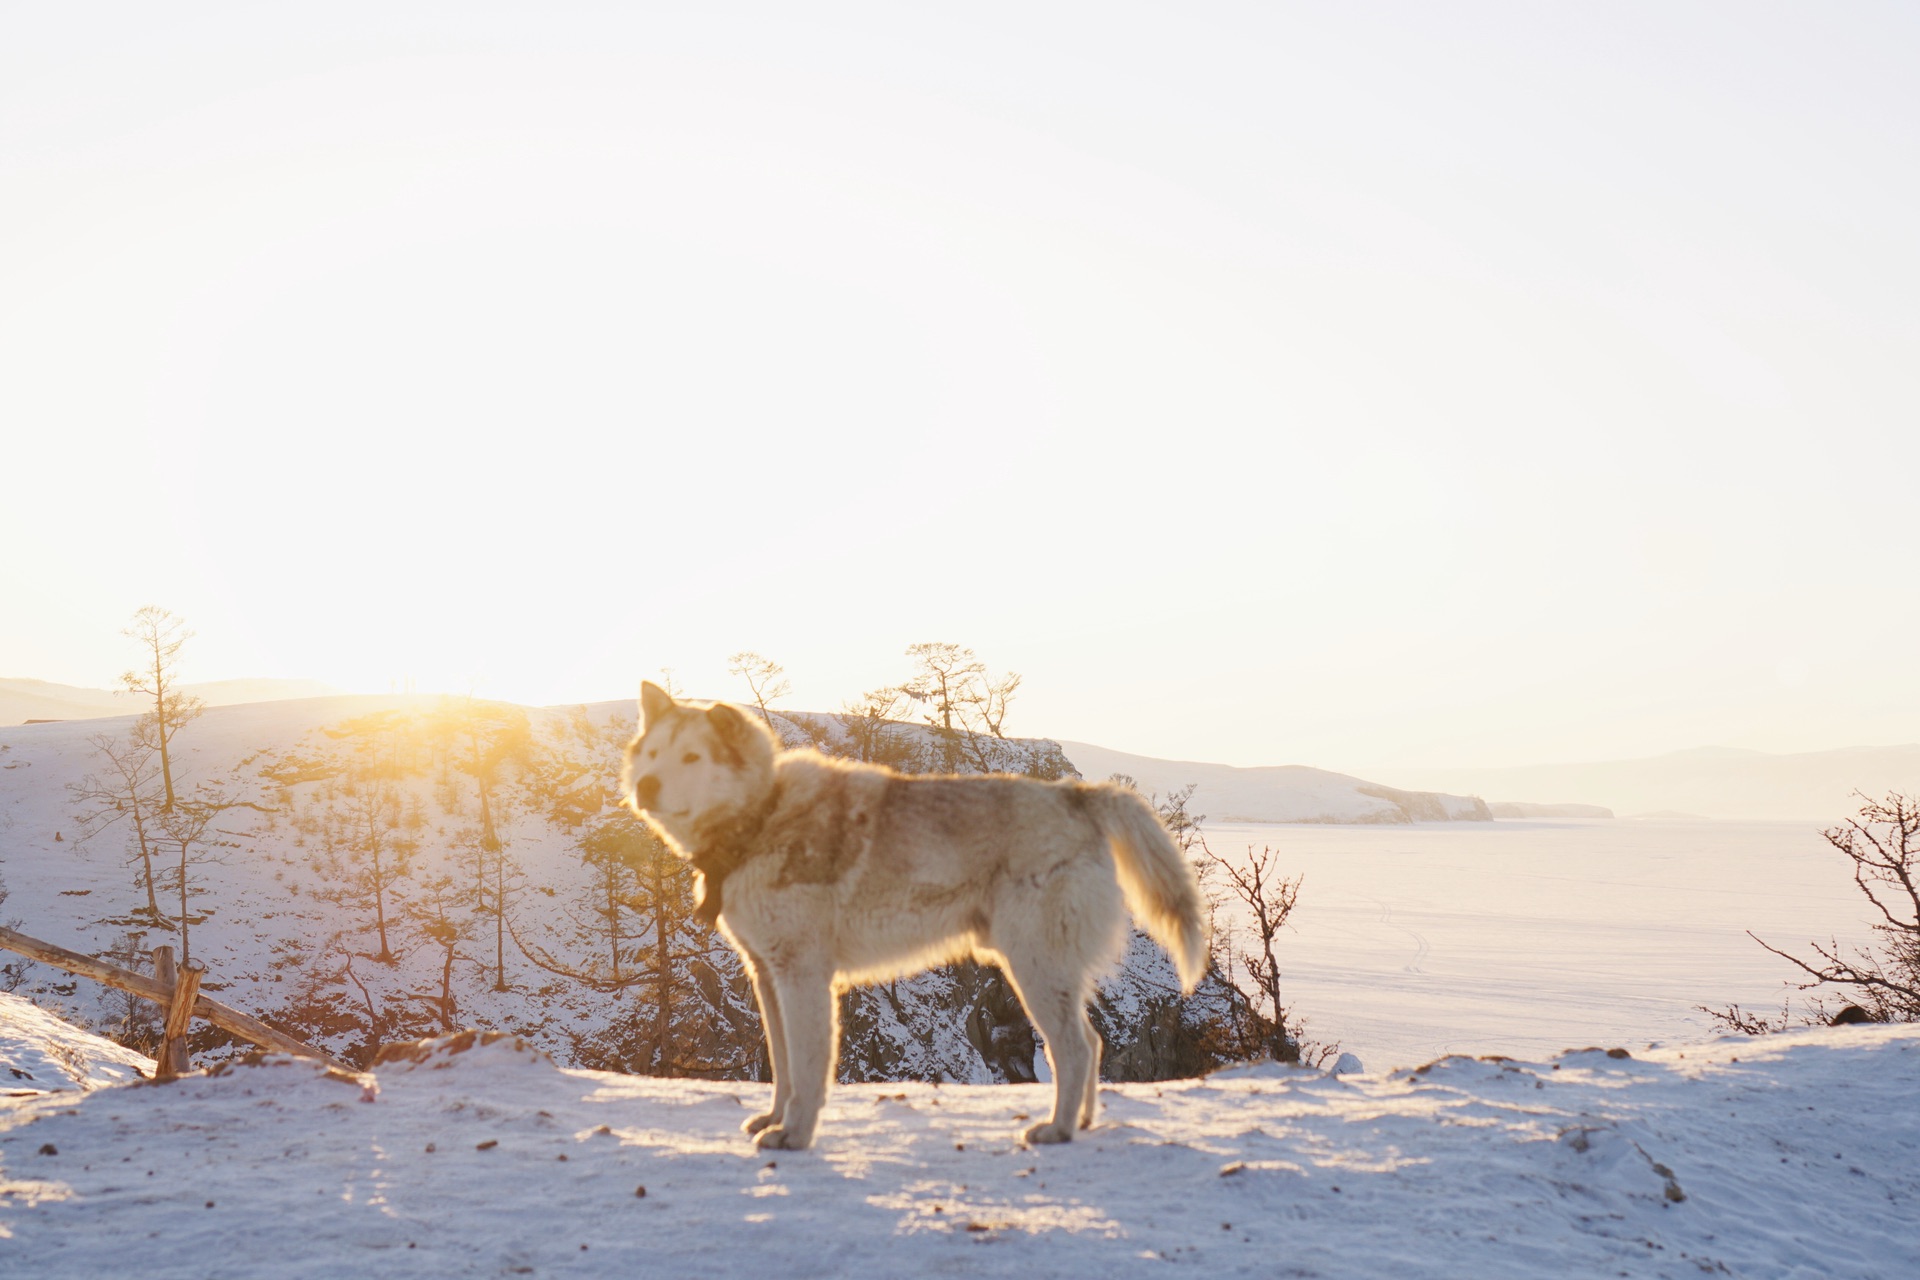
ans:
(366, 849)
(437, 914)
(943, 673)
(1243, 949)
(966, 706)
(14, 972)
(500, 876)
(493, 744)
(871, 725)
(125, 1018)
(766, 681)
(988, 699)
(160, 635)
(126, 791)
(188, 833)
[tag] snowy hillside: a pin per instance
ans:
(551, 931)
(1277, 793)
(1788, 1156)
(40, 1053)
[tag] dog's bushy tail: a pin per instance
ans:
(1158, 883)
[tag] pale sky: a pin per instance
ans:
(1337, 384)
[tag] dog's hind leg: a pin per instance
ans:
(769, 1001)
(1059, 1010)
(809, 1024)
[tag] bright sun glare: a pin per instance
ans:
(1423, 386)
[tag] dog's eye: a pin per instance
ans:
(692, 757)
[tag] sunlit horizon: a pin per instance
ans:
(1472, 385)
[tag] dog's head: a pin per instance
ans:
(692, 761)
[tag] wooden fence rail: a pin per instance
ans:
(252, 1030)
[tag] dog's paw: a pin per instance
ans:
(1048, 1132)
(756, 1123)
(779, 1139)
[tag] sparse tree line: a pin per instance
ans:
(409, 826)
(949, 715)
(171, 828)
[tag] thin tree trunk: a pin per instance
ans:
(186, 951)
(611, 870)
(447, 1009)
(499, 923)
(160, 723)
(380, 904)
(663, 971)
(486, 821)
(146, 863)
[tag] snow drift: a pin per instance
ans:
(1790, 1155)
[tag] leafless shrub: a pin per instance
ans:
(1881, 979)
(1249, 902)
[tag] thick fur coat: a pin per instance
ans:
(823, 872)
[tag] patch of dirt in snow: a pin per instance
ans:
(1760, 1158)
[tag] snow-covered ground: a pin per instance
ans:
(1785, 1157)
(39, 1052)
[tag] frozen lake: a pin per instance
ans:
(1526, 938)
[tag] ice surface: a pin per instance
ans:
(1525, 938)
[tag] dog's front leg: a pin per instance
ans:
(763, 991)
(809, 1023)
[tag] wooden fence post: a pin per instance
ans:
(173, 1059)
(180, 1016)
(164, 974)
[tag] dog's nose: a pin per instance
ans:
(646, 792)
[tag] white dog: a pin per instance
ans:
(822, 872)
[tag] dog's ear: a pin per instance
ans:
(732, 728)
(655, 702)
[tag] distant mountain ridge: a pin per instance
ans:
(1728, 783)
(22, 700)
(1276, 793)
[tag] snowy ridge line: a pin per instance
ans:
(22, 700)
(1278, 793)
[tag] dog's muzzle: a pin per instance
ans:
(646, 792)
